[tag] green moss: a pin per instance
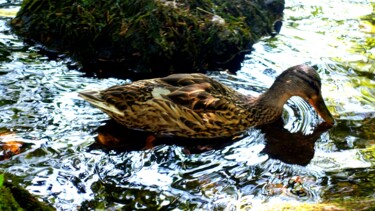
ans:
(13, 197)
(355, 203)
(7, 202)
(149, 35)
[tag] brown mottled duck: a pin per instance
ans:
(197, 106)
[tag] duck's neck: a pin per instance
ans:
(269, 105)
(275, 96)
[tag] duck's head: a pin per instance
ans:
(303, 81)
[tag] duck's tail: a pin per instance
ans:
(94, 98)
(90, 96)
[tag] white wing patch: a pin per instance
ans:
(158, 91)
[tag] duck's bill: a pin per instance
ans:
(321, 108)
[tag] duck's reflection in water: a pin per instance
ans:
(291, 148)
(281, 144)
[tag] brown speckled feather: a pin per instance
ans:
(188, 105)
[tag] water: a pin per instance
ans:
(60, 163)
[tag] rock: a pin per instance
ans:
(149, 36)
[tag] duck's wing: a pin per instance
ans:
(192, 91)
(203, 107)
(199, 92)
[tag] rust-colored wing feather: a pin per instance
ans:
(199, 92)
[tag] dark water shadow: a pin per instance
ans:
(121, 70)
(292, 148)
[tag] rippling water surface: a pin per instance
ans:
(270, 166)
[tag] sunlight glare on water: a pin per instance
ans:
(61, 165)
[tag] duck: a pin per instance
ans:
(197, 106)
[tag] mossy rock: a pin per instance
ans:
(150, 36)
(14, 197)
(7, 201)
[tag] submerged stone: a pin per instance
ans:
(150, 36)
